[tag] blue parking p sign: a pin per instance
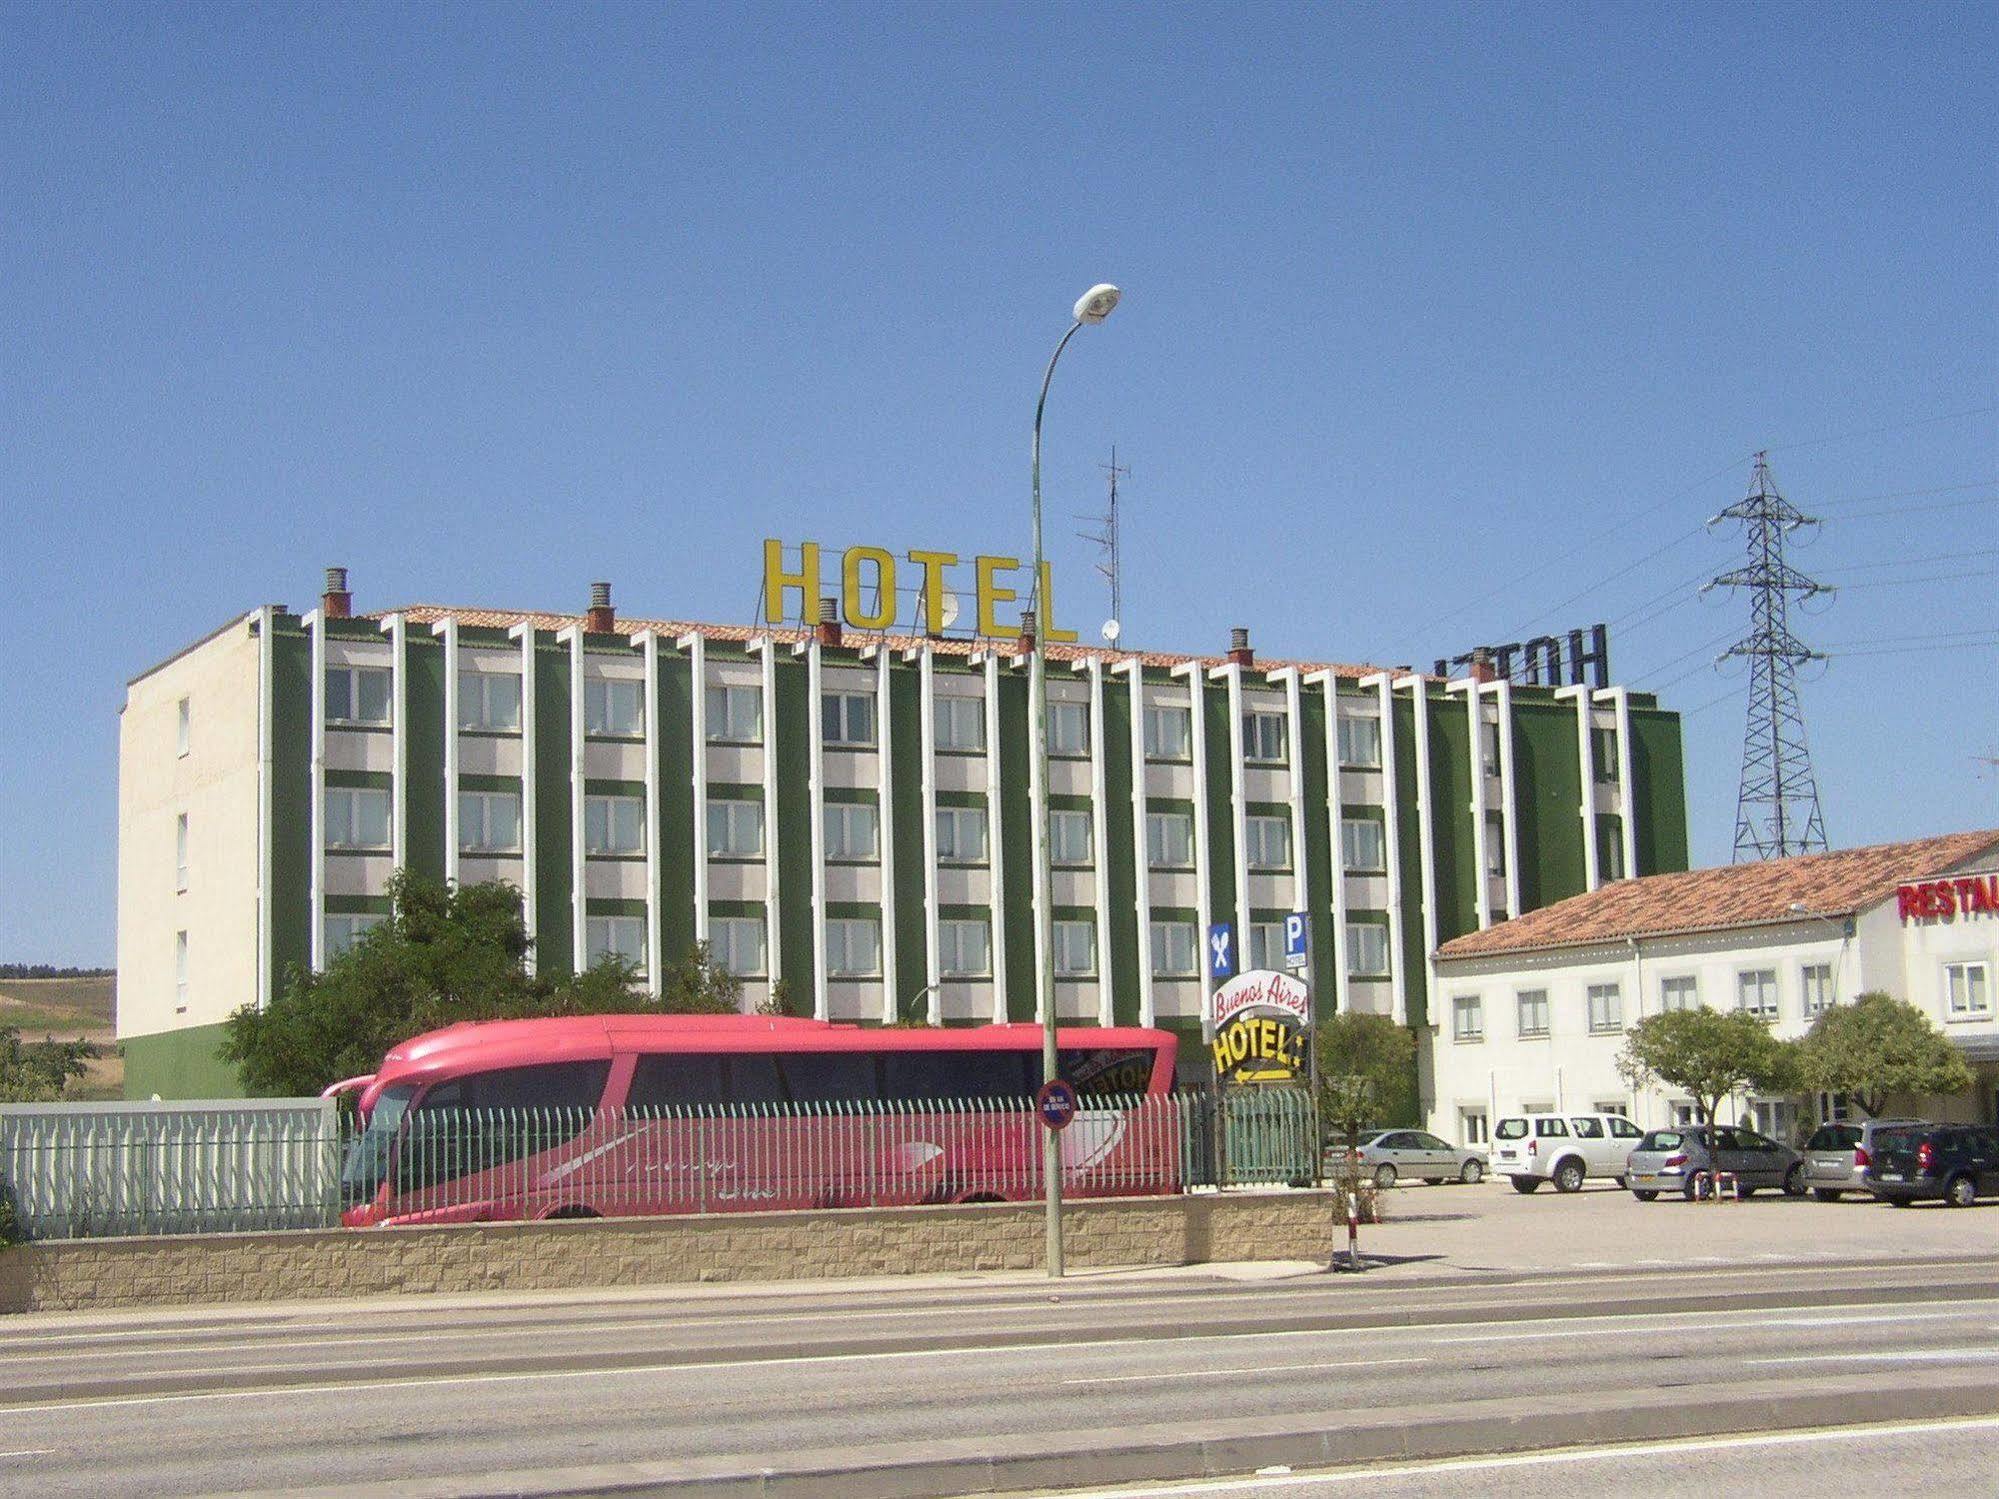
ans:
(1221, 950)
(1295, 936)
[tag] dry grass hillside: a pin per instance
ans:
(66, 1009)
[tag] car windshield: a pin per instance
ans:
(1511, 1129)
(1902, 1138)
(367, 1162)
(1662, 1139)
(1834, 1137)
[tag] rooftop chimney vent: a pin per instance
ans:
(336, 602)
(1239, 652)
(602, 619)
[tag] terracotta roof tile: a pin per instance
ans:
(501, 619)
(1734, 895)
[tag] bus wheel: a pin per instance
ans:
(574, 1210)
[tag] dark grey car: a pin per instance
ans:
(1836, 1154)
(1685, 1160)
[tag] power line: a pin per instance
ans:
(1923, 421)
(1831, 507)
(1900, 510)
(1910, 582)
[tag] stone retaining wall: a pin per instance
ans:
(88, 1274)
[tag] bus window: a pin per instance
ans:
(908, 1075)
(828, 1076)
(677, 1080)
(1101, 1070)
(753, 1079)
(550, 1085)
(485, 1119)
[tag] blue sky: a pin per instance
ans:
(1442, 324)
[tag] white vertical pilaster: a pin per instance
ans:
(815, 789)
(1294, 744)
(1335, 962)
(396, 628)
(530, 800)
(695, 644)
(1619, 699)
(266, 692)
(1100, 840)
(1134, 671)
(773, 920)
(579, 939)
(648, 643)
(1238, 815)
(1037, 813)
(926, 669)
(1475, 722)
(885, 833)
(1502, 692)
(1391, 803)
(1586, 773)
(1204, 905)
(446, 629)
(1426, 848)
(315, 627)
(995, 846)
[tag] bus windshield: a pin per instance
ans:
(367, 1162)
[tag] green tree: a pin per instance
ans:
(443, 956)
(1367, 1071)
(1706, 1055)
(38, 1071)
(1878, 1046)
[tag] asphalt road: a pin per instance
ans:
(684, 1382)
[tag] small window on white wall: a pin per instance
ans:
(1468, 1018)
(1680, 991)
(1815, 980)
(1606, 1009)
(183, 726)
(180, 852)
(180, 973)
(1968, 989)
(1756, 992)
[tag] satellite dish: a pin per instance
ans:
(949, 612)
(1112, 629)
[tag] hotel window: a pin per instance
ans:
(1360, 742)
(614, 706)
(1075, 949)
(853, 947)
(1968, 987)
(180, 973)
(851, 831)
(1489, 738)
(344, 930)
(1756, 992)
(1363, 845)
(622, 937)
(1367, 950)
(960, 723)
(1263, 737)
(1068, 728)
(1268, 841)
(1168, 733)
(357, 694)
(736, 829)
(1532, 1013)
(1468, 1018)
(616, 824)
(847, 717)
(1266, 945)
(183, 726)
(180, 852)
(1815, 982)
(964, 949)
(1681, 992)
(1173, 950)
(1472, 1127)
(1069, 836)
(489, 822)
(489, 700)
(1495, 845)
(735, 715)
(1609, 849)
(1606, 1009)
(1169, 840)
(1603, 750)
(961, 835)
(357, 817)
(737, 943)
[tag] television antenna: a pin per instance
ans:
(1105, 537)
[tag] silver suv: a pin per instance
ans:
(1836, 1154)
(1565, 1149)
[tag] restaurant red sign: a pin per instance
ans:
(1964, 895)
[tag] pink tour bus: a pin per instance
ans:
(622, 1115)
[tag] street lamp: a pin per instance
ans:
(1092, 307)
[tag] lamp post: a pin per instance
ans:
(1092, 307)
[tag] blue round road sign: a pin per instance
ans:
(1056, 1104)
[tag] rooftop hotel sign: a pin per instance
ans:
(872, 580)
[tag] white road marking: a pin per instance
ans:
(1888, 1356)
(1569, 1456)
(1681, 1321)
(29, 1452)
(1356, 1363)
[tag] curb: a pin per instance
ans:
(1056, 1460)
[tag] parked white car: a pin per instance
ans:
(1566, 1149)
